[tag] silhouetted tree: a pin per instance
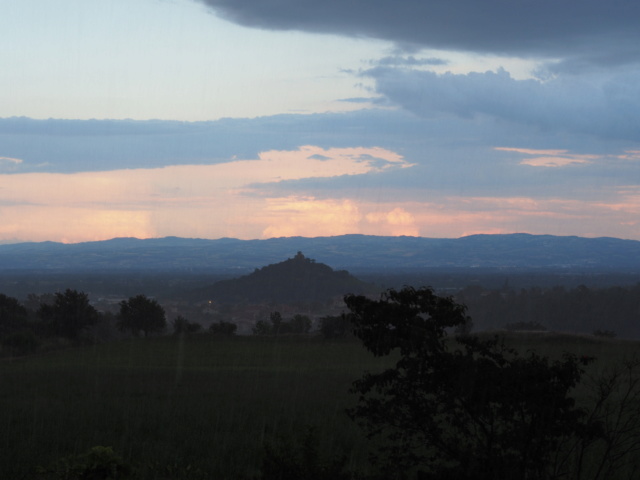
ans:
(615, 410)
(262, 327)
(300, 324)
(334, 326)
(69, 314)
(13, 316)
(604, 333)
(141, 314)
(579, 310)
(277, 323)
(461, 408)
(181, 325)
(223, 328)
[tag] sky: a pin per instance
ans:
(260, 119)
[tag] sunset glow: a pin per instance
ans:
(207, 118)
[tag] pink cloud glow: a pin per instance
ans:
(224, 200)
(192, 200)
(549, 158)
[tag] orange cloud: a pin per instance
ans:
(552, 161)
(531, 151)
(306, 216)
(192, 200)
(397, 221)
(549, 158)
(213, 201)
(630, 155)
(72, 224)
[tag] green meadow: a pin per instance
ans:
(201, 406)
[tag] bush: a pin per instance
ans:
(262, 328)
(336, 326)
(182, 325)
(99, 463)
(298, 325)
(604, 333)
(21, 343)
(223, 328)
(301, 461)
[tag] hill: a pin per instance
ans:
(350, 252)
(297, 279)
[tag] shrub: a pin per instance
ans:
(21, 343)
(604, 333)
(99, 463)
(182, 325)
(301, 460)
(336, 326)
(223, 328)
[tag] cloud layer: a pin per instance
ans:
(604, 107)
(191, 200)
(592, 30)
(469, 116)
(437, 180)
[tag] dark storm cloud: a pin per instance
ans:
(605, 108)
(548, 28)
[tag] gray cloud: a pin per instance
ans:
(603, 107)
(590, 29)
(453, 154)
(409, 61)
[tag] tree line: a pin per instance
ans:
(69, 315)
(454, 405)
(581, 309)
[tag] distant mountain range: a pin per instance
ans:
(350, 252)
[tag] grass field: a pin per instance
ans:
(205, 403)
(202, 406)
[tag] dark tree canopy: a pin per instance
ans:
(13, 315)
(141, 314)
(334, 326)
(580, 309)
(223, 328)
(299, 324)
(461, 408)
(183, 326)
(69, 314)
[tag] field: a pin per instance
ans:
(200, 407)
(205, 403)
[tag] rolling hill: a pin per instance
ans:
(297, 279)
(350, 252)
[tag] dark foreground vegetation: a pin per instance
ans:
(424, 399)
(200, 406)
(580, 309)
